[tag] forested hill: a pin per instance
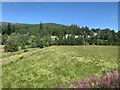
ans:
(31, 28)
(46, 34)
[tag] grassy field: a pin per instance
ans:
(58, 64)
(13, 56)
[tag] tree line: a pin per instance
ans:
(21, 36)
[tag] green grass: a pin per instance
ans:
(14, 56)
(58, 64)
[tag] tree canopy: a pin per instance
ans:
(41, 35)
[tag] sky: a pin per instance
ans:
(92, 14)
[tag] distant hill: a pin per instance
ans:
(32, 28)
(47, 24)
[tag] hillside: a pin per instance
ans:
(53, 25)
(24, 28)
(18, 35)
(58, 64)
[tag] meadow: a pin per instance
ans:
(54, 65)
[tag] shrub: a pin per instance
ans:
(11, 45)
(26, 50)
(33, 45)
(10, 48)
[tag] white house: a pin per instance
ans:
(95, 34)
(68, 35)
(54, 37)
(76, 36)
(88, 36)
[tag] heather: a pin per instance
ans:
(107, 80)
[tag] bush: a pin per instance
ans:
(12, 44)
(10, 48)
(26, 50)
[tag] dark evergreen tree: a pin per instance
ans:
(9, 29)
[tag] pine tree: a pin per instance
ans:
(9, 29)
(40, 26)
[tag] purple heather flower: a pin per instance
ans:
(107, 74)
(109, 80)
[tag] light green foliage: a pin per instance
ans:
(58, 64)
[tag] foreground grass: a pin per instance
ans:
(58, 64)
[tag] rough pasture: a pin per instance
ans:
(59, 64)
